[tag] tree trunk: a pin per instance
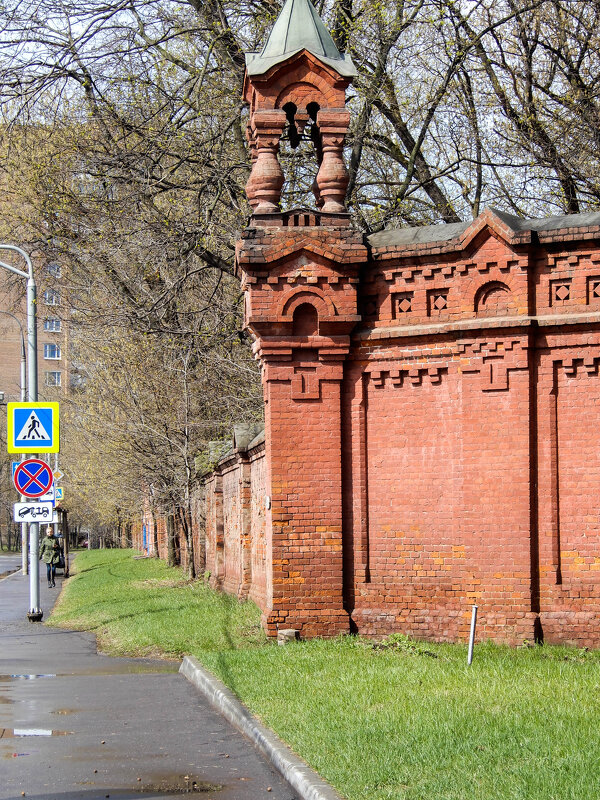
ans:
(186, 524)
(171, 549)
(154, 534)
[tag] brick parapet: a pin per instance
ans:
(235, 524)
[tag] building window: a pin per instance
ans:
(53, 378)
(54, 270)
(52, 297)
(51, 351)
(52, 324)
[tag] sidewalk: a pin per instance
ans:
(95, 727)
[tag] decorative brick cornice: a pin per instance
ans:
(260, 247)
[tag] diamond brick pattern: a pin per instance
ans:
(440, 301)
(562, 291)
(402, 303)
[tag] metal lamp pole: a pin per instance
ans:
(35, 612)
(23, 388)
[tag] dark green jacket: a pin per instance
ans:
(50, 550)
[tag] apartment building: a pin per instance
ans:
(52, 332)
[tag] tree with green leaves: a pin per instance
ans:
(123, 133)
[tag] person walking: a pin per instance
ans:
(50, 555)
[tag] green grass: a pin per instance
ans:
(139, 606)
(405, 721)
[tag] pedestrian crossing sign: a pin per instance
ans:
(33, 428)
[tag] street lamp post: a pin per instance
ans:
(35, 612)
(23, 390)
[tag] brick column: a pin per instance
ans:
(301, 306)
(303, 436)
(266, 179)
(332, 179)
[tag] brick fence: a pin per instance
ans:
(441, 452)
(432, 404)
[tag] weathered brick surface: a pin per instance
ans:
(422, 458)
(438, 453)
(260, 554)
(432, 400)
(233, 506)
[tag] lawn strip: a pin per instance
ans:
(408, 722)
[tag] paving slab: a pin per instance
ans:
(78, 725)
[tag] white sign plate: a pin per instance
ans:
(33, 512)
(49, 497)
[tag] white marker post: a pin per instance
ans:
(472, 634)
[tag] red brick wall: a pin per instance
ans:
(160, 519)
(448, 502)
(457, 454)
(258, 533)
(440, 453)
(234, 507)
(305, 469)
(233, 501)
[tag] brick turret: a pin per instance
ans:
(299, 76)
(299, 271)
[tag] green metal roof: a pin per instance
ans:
(298, 27)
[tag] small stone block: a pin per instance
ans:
(287, 635)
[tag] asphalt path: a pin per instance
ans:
(77, 725)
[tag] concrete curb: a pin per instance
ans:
(8, 573)
(308, 784)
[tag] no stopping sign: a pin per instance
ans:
(33, 478)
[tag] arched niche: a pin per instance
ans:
(313, 297)
(494, 299)
(305, 320)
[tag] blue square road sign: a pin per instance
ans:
(33, 428)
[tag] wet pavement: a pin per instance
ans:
(76, 725)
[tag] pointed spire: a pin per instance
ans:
(298, 27)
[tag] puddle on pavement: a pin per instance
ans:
(176, 785)
(17, 733)
(165, 668)
(156, 668)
